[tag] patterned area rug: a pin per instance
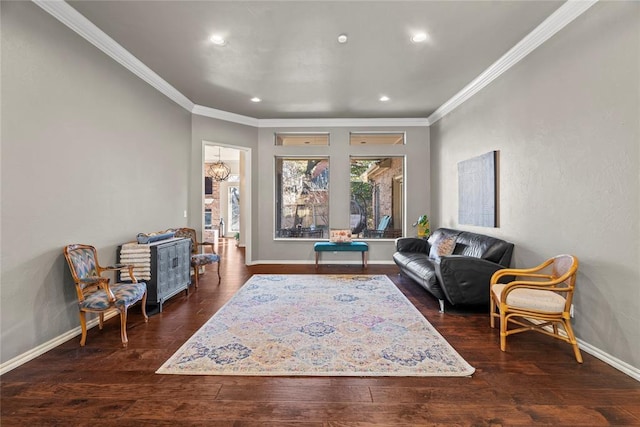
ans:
(317, 325)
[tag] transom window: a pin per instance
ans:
(301, 139)
(302, 197)
(374, 138)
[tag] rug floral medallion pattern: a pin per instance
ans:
(317, 325)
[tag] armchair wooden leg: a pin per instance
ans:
(144, 307)
(572, 339)
(123, 327)
(196, 274)
(503, 331)
(219, 278)
(492, 313)
(83, 325)
(101, 322)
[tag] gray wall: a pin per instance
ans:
(566, 122)
(417, 185)
(263, 247)
(90, 154)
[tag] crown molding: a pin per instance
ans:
(559, 19)
(94, 35)
(400, 122)
(201, 110)
(295, 123)
(70, 17)
(66, 14)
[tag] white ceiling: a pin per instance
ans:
(286, 52)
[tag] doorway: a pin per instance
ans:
(226, 197)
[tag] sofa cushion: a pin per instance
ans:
(443, 246)
(441, 233)
(340, 236)
(419, 264)
(481, 246)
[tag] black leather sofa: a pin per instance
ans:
(460, 278)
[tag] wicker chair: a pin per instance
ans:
(537, 299)
(96, 295)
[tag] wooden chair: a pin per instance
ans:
(96, 294)
(199, 259)
(537, 299)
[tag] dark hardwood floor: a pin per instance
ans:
(537, 382)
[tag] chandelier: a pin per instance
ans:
(218, 171)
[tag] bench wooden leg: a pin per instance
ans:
(317, 254)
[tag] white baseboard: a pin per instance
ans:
(44, 347)
(623, 367)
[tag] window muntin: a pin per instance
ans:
(302, 197)
(377, 197)
(376, 138)
(302, 139)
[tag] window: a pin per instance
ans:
(208, 185)
(207, 219)
(377, 197)
(233, 208)
(373, 138)
(293, 139)
(302, 197)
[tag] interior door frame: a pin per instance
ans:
(245, 193)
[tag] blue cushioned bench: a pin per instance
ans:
(342, 247)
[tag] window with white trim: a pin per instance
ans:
(302, 197)
(377, 196)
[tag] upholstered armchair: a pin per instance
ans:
(95, 292)
(536, 299)
(199, 259)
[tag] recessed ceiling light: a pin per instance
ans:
(384, 98)
(419, 37)
(255, 99)
(217, 40)
(342, 38)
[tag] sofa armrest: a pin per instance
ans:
(412, 244)
(465, 280)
